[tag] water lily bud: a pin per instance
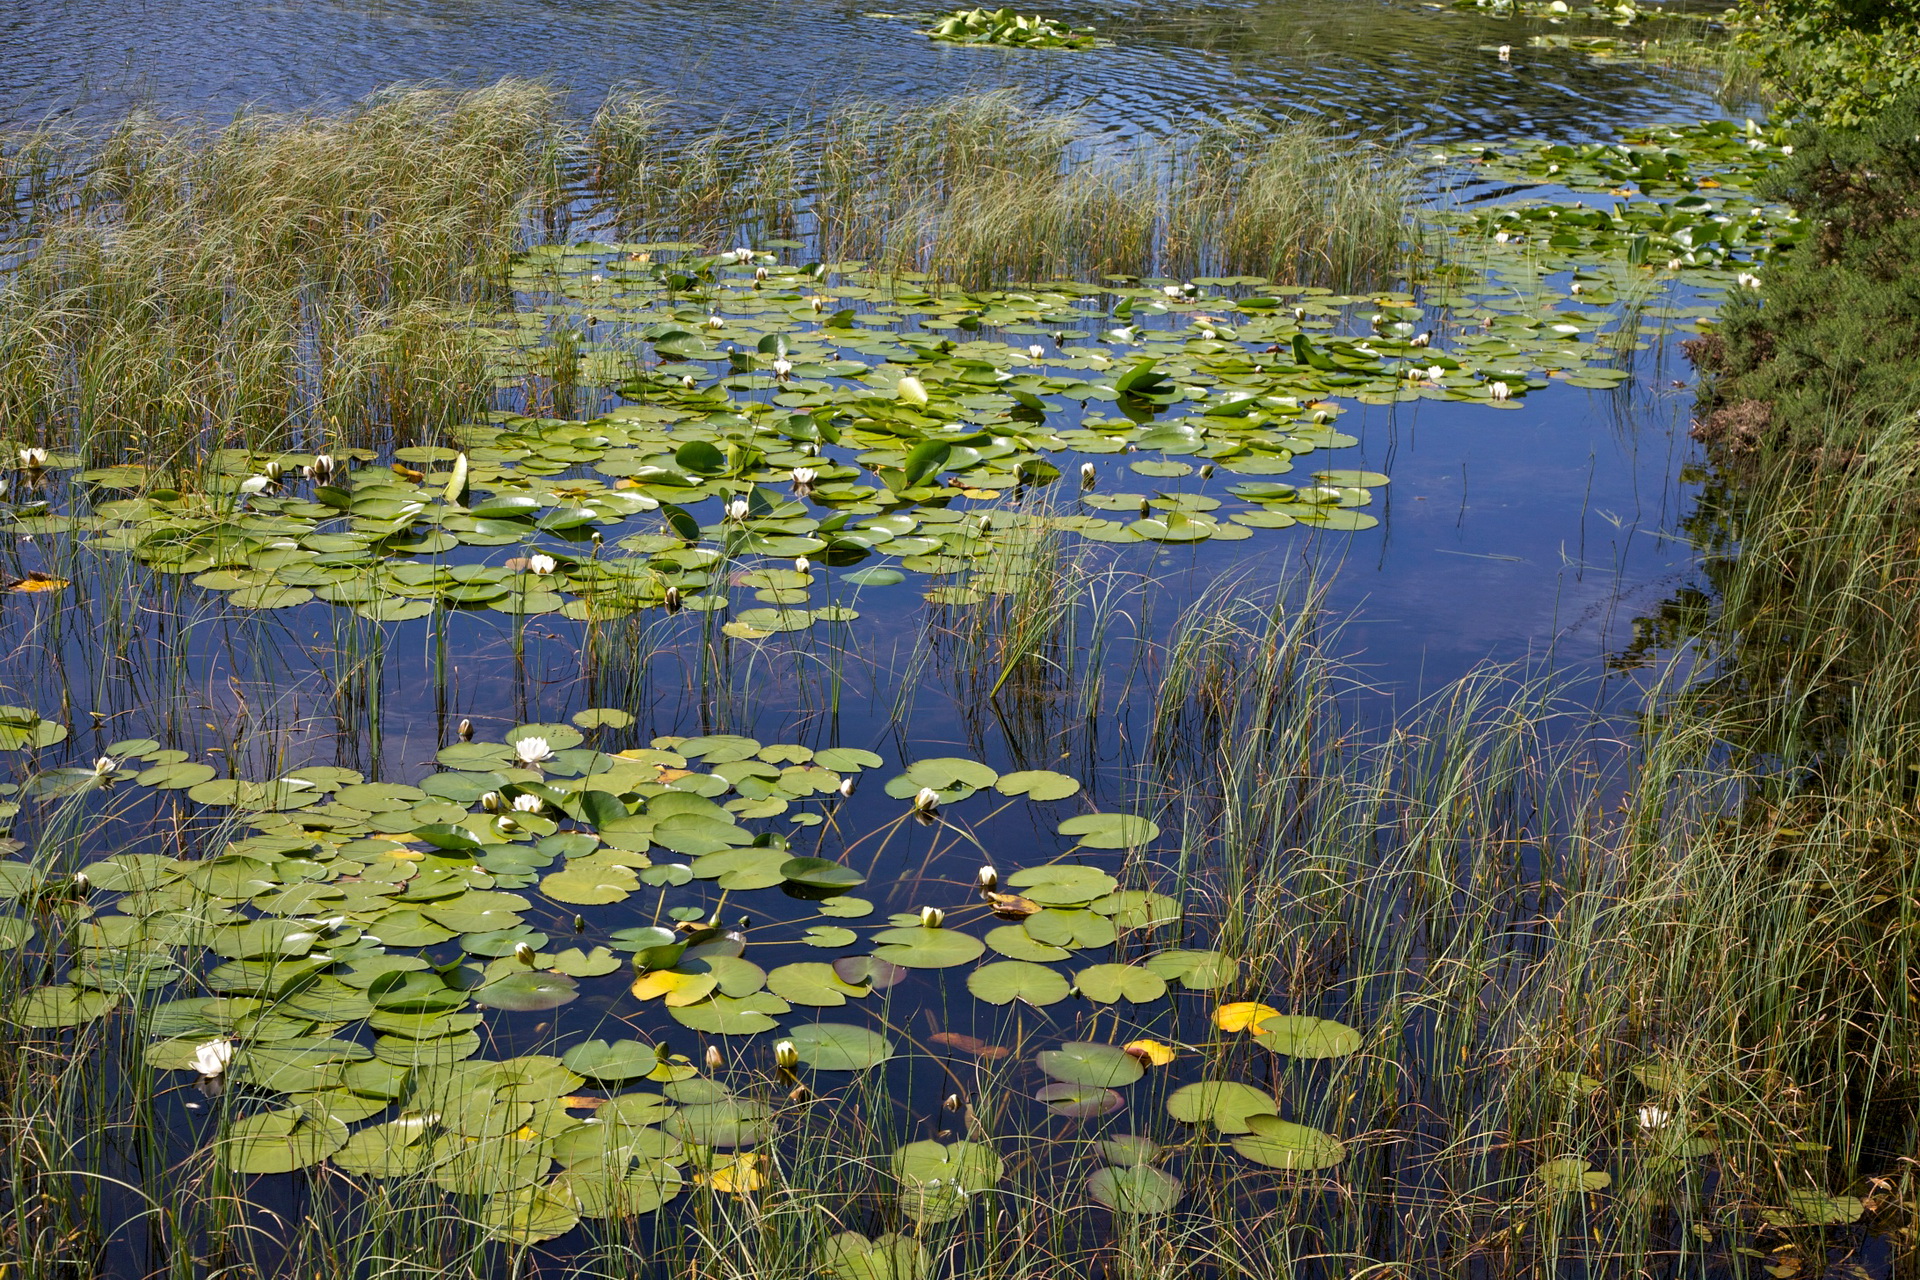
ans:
(932, 917)
(1501, 237)
(33, 459)
(686, 380)
(926, 800)
(1506, 53)
(1088, 474)
(986, 521)
(541, 565)
(786, 1055)
(782, 369)
(1499, 391)
(490, 801)
(845, 788)
(759, 273)
(271, 470)
(673, 600)
(524, 954)
(579, 924)
(819, 304)
(713, 321)
(952, 1102)
(987, 878)
(1299, 313)
(737, 509)
(507, 825)
(1206, 471)
(81, 884)
(1420, 339)
(1145, 509)
(715, 1060)
(802, 565)
(466, 730)
(1576, 288)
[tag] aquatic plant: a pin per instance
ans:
(1008, 29)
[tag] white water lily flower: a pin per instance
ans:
(1652, 1118)
(786, 1054)
(1499, 391)
(33, 458)
(932, 917)
(802, 565)
(527, 804)
(926, 800)
(1036, 350)
(1501, 237)
(715, 1059)
(818, 303)
(803, 478)
(1435, 373)
(759, 273)
(271, 470)
(1506, 53)
(672, 599)
(1787, 150)
(1420, 340)
(105, 767)
(713, 322)
(783, 369)
(1088, 474)
(737, 509)
(743, 254)
(1576, 287)
(1747, 280)
(532, 751)
(987, 878)
(541, 565)
(211, 1059)
(490, 801)
(686, 380)
(255, 484)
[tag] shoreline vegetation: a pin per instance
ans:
(1620, 1004)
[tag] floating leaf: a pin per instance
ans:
(528, 992)
(280, 1141)
(1282, 1144)
(1107, 983)
(1572, 1174)
(1080, 1101)
(1085, 1062)
(852, 1256)
(530, 1215)
(1110, 830)
(1005, 981)
(833, 1046)
(1242, 1016)
(1138, 1189)
(1227, 1104)
(59, 1006)
(613, 1063)
(923, 948)
(820, 873)
(1304, 1037)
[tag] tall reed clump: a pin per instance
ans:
(279, 282)
(981, 188)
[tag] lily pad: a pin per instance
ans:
(1281, 1144)
(1005, 981)
(833, 1046)
(1137, 1189)
(1089, 1063)
(1110, 830)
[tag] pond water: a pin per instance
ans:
(1529, 533)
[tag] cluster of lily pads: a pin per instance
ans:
(1011, 30)
(1624, 13)
(295, 967)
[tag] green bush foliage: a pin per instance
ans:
(1835, 325)
(1838, 61)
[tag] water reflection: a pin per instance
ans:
(1397, 68)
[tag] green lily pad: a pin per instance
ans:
(1110, 830)
(1138, 1190)
(1282, 1144)
(1108, 983)
(1037, 784)
(60, 1006)
(1088, 1063)
(1227, 1104)
(923, 948)
(528, 992)
(1005, 981)
(530, 1215)
(820, 873)
(812, 983)
(612, 1062)
(1080, 1101)
(280, 1141)
(833, 1046)
(1304, 1037)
